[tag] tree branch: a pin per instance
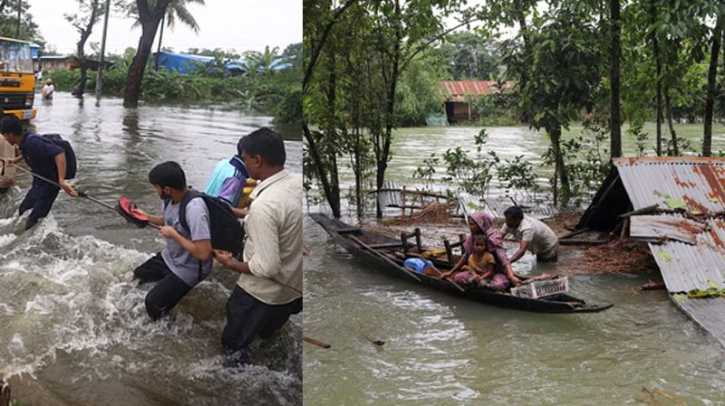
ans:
(318, 48)
(425, 45)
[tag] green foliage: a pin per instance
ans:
(427, 170)
(471, 172)
(278, 94)
(29, 30)
(586, 161)
(469, 55)
(417, 95)
(518, 178)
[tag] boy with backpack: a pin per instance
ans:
(192, 224)
(230, 182)
(48, 156)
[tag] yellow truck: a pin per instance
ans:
(17, 79)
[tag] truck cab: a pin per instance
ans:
(17, 79)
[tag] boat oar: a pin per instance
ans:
(316, 342)
(383, 257)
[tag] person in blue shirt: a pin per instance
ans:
(228, 181)
(45, 159)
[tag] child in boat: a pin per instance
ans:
(481, 268)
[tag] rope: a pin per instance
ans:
(108, 206)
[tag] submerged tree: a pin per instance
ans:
(563, 78)
(90, 11)
(150, 13)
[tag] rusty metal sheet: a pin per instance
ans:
(665, 227)
(685, 267)
(469, 87)
(696, 184)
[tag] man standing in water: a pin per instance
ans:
(46, 159)
(48, 90)
(532, 235)
(260, 304)
(187, 258)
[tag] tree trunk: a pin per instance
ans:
(390, 109)
(83, 62)
(711, 87)
(358, 174)
(555, 135)
(658, 79)
(615, 55)
(668, 112)
(314, 150)
(161, 38)
(150, 19)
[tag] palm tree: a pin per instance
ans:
(261, 62)
(148, 14)
(176, 11)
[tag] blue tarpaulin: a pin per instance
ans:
(187, 63)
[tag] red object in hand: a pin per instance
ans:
(130, 212)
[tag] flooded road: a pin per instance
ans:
(442, 350)
(73, 327)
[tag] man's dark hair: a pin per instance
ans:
(265, 143)
(514, 212)
(12, 125)
(168, 174)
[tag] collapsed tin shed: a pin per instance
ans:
(677, 206)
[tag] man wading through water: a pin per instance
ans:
(187, 258)
(259, 306)
(45, 158)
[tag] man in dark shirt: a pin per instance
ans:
(45, 159)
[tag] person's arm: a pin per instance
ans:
(511, 277)
(226, 259)
(455, 269)
(523, 246)
(200, 250)
(60, 163)
(489, 271)
(240, 213)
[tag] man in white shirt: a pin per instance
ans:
(48, 90)
(532, 234)
(269, 289)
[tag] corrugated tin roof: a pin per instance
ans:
(708, 313)
(456, 90)
(696, 185)
(685, 267)
(697, 182)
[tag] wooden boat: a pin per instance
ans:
(379, 252)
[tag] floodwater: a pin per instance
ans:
(73, 327)
(442, 350)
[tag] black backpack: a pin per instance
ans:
(226, 232)
(71, 164)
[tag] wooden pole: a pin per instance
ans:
(99, 76)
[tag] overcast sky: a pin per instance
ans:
(228, 24)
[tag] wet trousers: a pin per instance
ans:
(167, 293)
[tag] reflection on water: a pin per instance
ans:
(73, 328)
(441, 350)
